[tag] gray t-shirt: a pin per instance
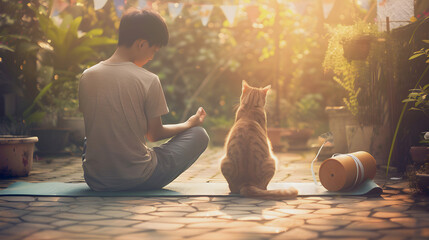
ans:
(117, 100)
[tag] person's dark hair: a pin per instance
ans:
(142, 24)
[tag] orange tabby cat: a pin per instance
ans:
(249, 163)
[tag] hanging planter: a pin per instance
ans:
(357, 48)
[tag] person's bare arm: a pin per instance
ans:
(157, 131)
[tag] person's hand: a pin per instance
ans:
(198, 118)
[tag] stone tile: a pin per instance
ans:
(393, 208)
(79, 228)
(4, 225)
(169, 214)
(115, 214)
(147, 235)
(80, 217)
(113, 222)
(141, 209)
(334, 211)
(285, 222)
(388, 214)
(142, 217)
(372, 225)
(38, 219)
(342, 233)
(12, 213)
(223, 224)
(401, 232)
(297, 233)
(319, 228)
(293, 211)
(61, 223)
(159, 226)
(54, 235)
(10, 220)
(113, 230)
(206, 214)
(184, 220)
(205, 206)
(83, 210)
(177, 209)
(191, 232)
(256, 229)
(329, 222)
(406, 222)
(16, 205)
(229, 235)
(313, 206)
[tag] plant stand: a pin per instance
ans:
(16, 155)
(339, 117)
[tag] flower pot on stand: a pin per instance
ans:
(16, 155)
(297, 139)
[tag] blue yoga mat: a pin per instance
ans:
(368, 187)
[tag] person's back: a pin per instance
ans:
(112, 97)
(122, 104)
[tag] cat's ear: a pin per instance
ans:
(266, 89)
(244, 85)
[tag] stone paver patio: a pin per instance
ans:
(396, 214)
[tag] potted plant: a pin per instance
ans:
(303, 119)
(68, 52)
(357, 48)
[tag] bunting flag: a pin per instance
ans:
(399, 12)
(365, 4)
(119, 6)
(58, 6)
(205, 12)
(327, 7)
(99, 4)
(230, 11)
(144, 4)
(253, 12)
(300, 7)
(175, 9)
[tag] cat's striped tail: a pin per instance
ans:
(278, 194)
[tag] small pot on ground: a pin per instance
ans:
(16, 155)
(275, 136)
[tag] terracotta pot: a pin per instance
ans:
(297, 139)
(16, 155)
(357, 48)
(419, 154)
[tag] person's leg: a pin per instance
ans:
(177, 155)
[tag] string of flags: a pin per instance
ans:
(230, 11)
(393, 8)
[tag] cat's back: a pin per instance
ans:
(247, 135)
